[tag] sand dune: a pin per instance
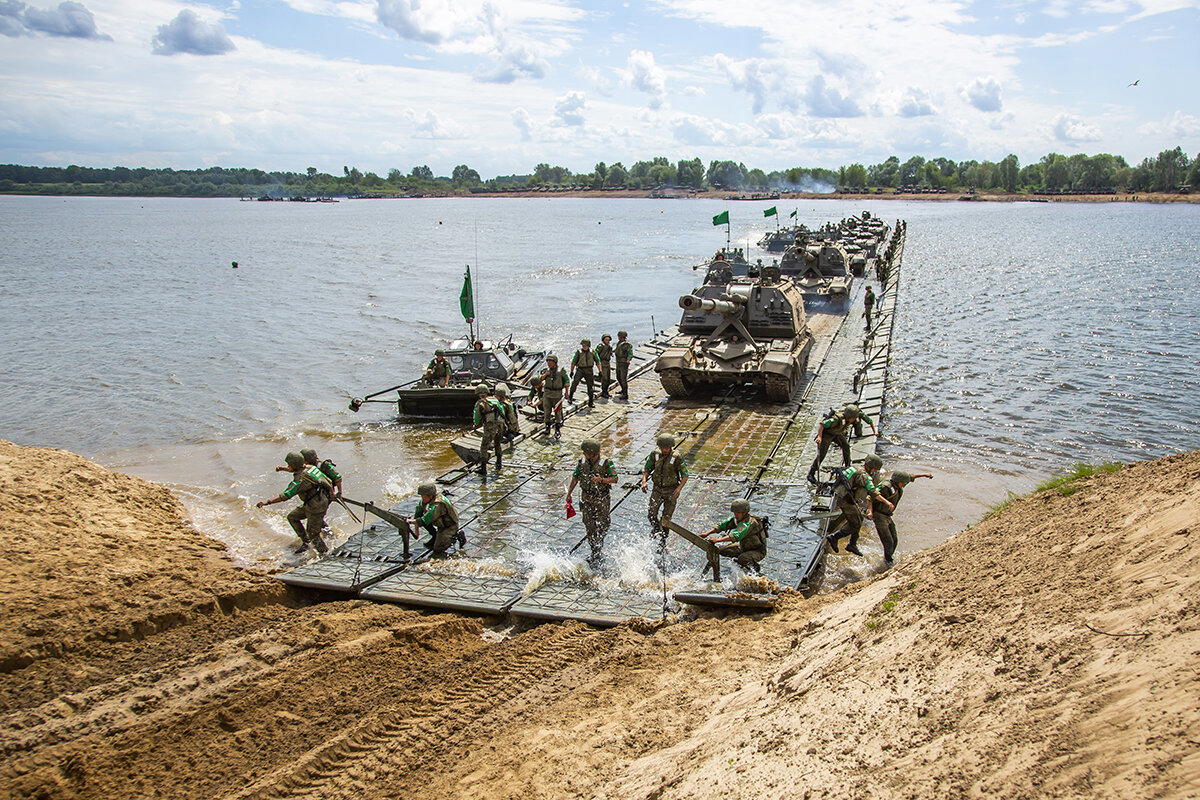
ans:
(1051, 651)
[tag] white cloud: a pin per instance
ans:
(568, 109)
(757, 77)
(711, 131)
(430, 126)
(1070, 129)
(916, 102)
(646, 76)
(187, 33)
(1177, 127)
(693, 91)
(69, 20)
(824, 100)
(523, 123)
(984, 93)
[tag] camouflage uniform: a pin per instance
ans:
(884, 525)
(604, 355)
(853, 492)
(308, 518)
(553, 384)
(624, 354)
(441, 520)
(437, 370)
(489, 413)
(665, 474)
(834, 431)
(750, 542)
(869, 304)
(583, 364)
(595, 501)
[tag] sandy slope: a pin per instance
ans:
(974, 669)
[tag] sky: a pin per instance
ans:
(501, 85)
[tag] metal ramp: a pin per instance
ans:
(731, 441)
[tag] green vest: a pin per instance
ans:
(444, 514)
(604, 352)
(665, 473)
(892, 494)
(587, 471)
(584, 359)
(439, 369)
(313, 483)
(624, 351)
(554, 381)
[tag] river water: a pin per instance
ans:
(1030, 335)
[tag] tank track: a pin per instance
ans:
(673, 383)
(779, 388)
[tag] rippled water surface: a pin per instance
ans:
(1030, 335)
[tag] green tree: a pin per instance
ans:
(1056, 172)
(617, 175)
(726, 174)
(690, 173)
(1009, 172)
(423, 172)
(464, 176)
(910, 171)
(885, 173)
(1170, 168)
(855, 177)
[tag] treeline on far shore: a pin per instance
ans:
(1169, 171)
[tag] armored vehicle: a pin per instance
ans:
(468, 363)
(746, 331)
(821, 269)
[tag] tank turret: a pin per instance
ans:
(746, 331)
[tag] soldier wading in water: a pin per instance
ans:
(668, 472)
(594, 476)
(744, 539)
(314, 490)
(855, 492)
(891, 490)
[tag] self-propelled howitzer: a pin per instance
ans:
(746, 331)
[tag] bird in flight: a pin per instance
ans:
(1135, 83)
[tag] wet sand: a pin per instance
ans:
(1047, 652)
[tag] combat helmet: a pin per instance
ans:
(851, 410)
(501, 390)
(740, 506)
(901, 476)
(482, 390)
(439, 352)
(294, 460)
(427, 490)
(666, 441)
(622, 334)
(308, 453)
(872, 462)
(552, 357)
(585, 342)
(590, 446)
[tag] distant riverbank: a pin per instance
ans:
(716, 194)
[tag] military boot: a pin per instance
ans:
(499, 463)
(852, 547)
(558, 430)
(482, 468)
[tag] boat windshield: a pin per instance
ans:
(481, 363)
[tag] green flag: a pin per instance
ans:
(466, 300)
(770, 212)
(721, 219)
(793, 214)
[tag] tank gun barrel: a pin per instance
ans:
(689, 302)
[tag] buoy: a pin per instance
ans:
(235, 266)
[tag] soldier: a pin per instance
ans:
(313, 489)
(489, 417)
(669, 473)
(512, 423)
(582, 365)
(435, 514)
(832, 429)
(594, 476)
(624, 354)
(535, 396)
(857, 425)
(855, 486)
(604, 358)
(554, 382)
(891, 490)
(868, 305)
(438, 371)
(745, 538)
(327, 467)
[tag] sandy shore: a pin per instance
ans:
(1048, 652)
